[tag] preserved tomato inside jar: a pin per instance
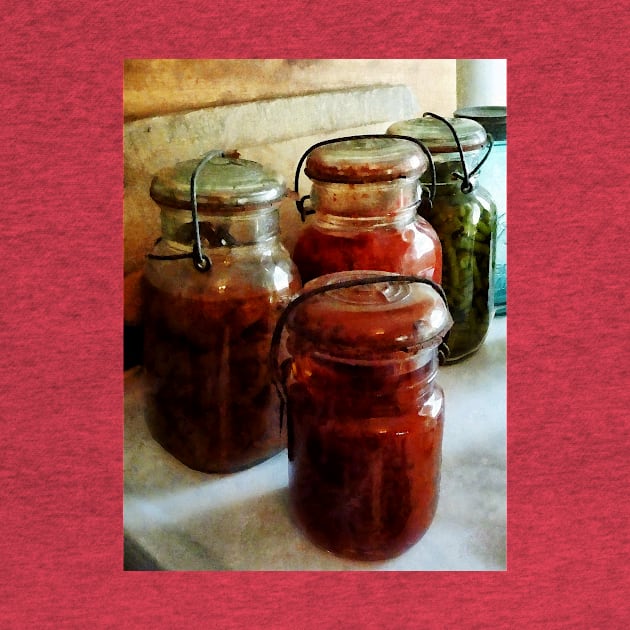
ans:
(365, 415)
(365, 478)
(365, 195)
(211, 402)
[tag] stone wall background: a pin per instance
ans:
(160, 86)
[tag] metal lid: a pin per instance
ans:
(438, 138)
(366, 321)
(492, 117)
(224, 183)
(362, 160)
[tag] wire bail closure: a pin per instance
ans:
(201, 260)
(280, 372)
(467, 186)
(425, 201)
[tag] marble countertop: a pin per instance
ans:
(179, 519)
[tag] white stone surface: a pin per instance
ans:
(186, 520)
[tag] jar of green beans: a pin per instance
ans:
(464, 215)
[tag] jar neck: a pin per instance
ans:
(367, 205)
(340, 222)
(220, 230)
(446, 165)
(340, 376)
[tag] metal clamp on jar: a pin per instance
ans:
(215, 285)
(364, 412)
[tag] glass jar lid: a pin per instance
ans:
(363, 160)
(223, 183)
(438, 138)
(366, 321)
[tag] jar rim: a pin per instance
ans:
(492, 117)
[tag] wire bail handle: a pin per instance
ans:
(466, 186)
(280, 372)
(201, 261)
(300, 200)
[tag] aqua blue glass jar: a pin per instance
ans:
(493, 177)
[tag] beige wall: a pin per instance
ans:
(159, 86)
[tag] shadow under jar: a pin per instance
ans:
(365, 197)
(464, 216)
(365, 413)
(211, 402)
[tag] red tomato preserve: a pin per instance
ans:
(365, 413)
(365, 195)
(211, 403)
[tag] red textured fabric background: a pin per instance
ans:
(61, 314)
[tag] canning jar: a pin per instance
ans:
(493, 177)
(364, 198)
(464, 217)
(365, 413)
(215, 285)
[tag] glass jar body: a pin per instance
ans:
(493, 177)
(466, 226)
(211, 403)
(367, 226)
(364, 451)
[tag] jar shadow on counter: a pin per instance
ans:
(133, 346)
(148, 467)
(491, 354)
(255, 534)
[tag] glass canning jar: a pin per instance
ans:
(215, 285)
(365, 197)
(493, 177)
(364, 411)
(464, 217)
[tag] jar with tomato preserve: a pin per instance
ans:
(364, 411)
(214, 287)
(365, 197)
(464, 216)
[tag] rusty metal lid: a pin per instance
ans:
(363, 160)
